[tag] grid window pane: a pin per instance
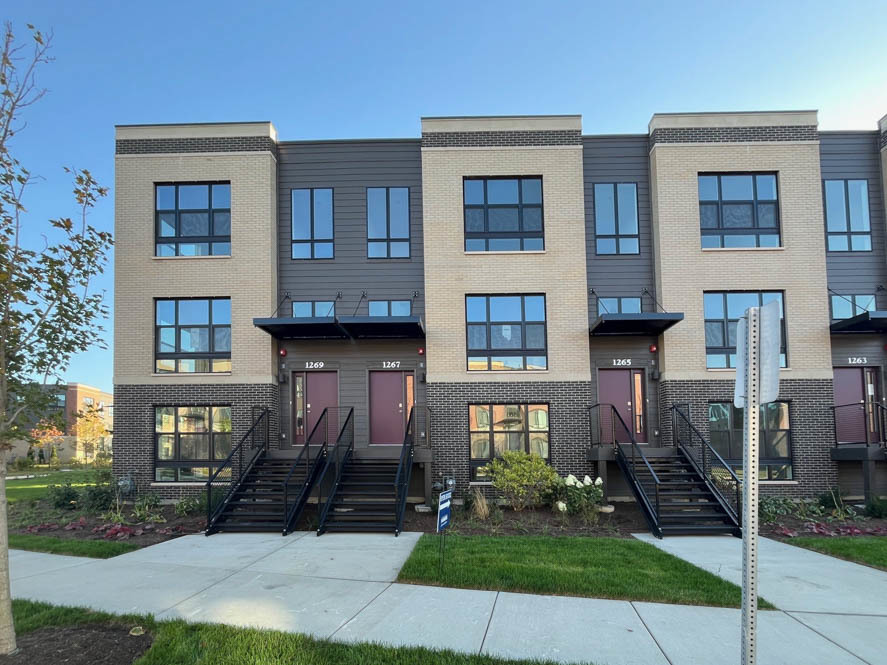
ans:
(503, 214)
(738, 210)
(497, 324)
(378, 308)
(399, 204)
(312, 223)
(165, 197)
(303, 309)
(400, 308)
(498, 428)
(184, 219)
(502, 191)
(388, 219)
(323, 214)
(721, 324)
(191, 334)
(616, 218)
(847, 216)
(473, 192)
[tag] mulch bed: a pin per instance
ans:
(79, 645)
(788, 527)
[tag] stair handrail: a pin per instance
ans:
(703, 465)
(404, 471)
(877, 407)
(239, 463)
(319, 431)
(632, 463)
(337, 458)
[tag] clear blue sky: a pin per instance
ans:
(368, 69)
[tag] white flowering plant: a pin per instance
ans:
(571, 496)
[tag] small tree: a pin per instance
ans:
(46, 435)
(47, 310)
(89, 429)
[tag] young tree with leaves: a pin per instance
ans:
(49, 311)
(89, 430)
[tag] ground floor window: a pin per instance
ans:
(725, 430)
(495, 428)
(190, 441)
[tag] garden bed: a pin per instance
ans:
(107, 644)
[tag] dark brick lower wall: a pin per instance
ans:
(134, 423)
(810, 417)
(568, 422)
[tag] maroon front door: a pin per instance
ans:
(624, 389)
(312, 393)
(391, 397)
(856, 392)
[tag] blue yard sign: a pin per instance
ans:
(443, 510)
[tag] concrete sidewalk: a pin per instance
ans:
(340, 586)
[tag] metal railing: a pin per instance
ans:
(404, 470)
(336, 460)
(296, 487)
(610, 429)
(227, 477)
(718, 476)
(869, 419)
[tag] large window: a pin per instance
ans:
(845, 307)
(495, 428)
(506, 332)
(193, 335)
(725, 431)
(722, 314)
(616, 218)
(629, 305)
(312, 223)
(192, 219)
(390, 308)
(739, 210)
(503, 214)
(311, 308)
(190, 441)
(847, 222)
(388, 222)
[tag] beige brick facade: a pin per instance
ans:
(248, 276)
(684, 270)
(559, 271)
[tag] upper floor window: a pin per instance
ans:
(618, 306)
(739, 210)
(503, 214)
(192, 335)
(192, 219)
(313, 308)
(722, 313)
(388, 222)
(616, 218)
(190, 442)
(390, 308)
(845, 307)
(847, 222)
(497, 428)
(312, 223)
(506, 332)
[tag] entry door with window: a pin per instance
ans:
(857, 424)
(391, 398)
(312, 393)
(624, 389)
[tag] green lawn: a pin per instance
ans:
(870, 550)
(571, 566)
(97, 549)
(184, 644)
(36, 488)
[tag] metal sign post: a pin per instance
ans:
(757, 383)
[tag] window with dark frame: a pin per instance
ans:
(506, 332)
(848, 306)
(190, 442)
(616, 218)
(390, 307)
(192, 219)
(847, 217)
(496, 428)
(739, 210)
(313, 308)
(388, 222)
(503, 214)
(620, 305)
(725, 432)
(312, 223)
(723, 309)
(192, 335)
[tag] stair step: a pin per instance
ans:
(360, 525)
(696, 529)
(692, 516)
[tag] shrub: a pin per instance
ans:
(102, 461)
(521, 478)
(876, 508)
(99, 498)
(831, 500)
(479, 506)
(190, 505)
(577, 497)
(147, 509)
(771, 508)
(64, 496)
(23, 463)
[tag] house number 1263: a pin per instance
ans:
(858, 360)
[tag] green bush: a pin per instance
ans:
(23, 463)
(102, 461)
(98, 498)
(771, 508)
(831, 500)
(147, 509)
(190, 505)
(524, 480)
(876, 508)
(64, 496)
(577, 497)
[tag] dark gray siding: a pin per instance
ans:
(619, 159)
(349, 167)
(855, 155)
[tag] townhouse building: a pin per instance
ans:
(361, 322)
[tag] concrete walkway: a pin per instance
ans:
(340, 586)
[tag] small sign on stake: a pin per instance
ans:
(443, 521)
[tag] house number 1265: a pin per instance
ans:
(622, 362)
